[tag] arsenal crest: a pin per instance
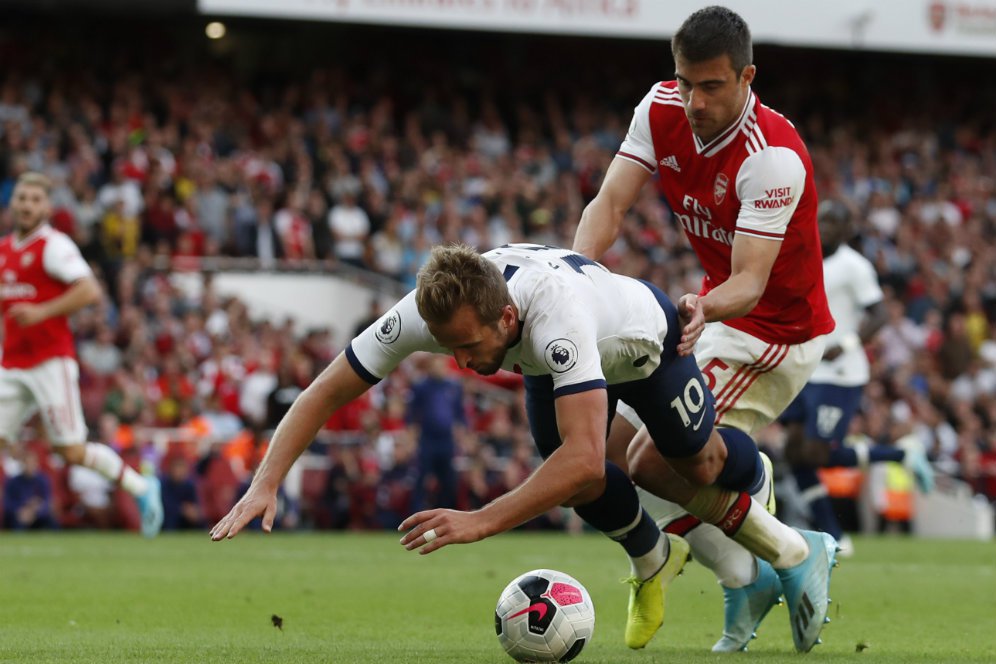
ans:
(27, 259)
(720, 187)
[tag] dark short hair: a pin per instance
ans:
(457, 275)
(834, 211)
(712, 32)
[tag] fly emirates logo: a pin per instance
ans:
(697, 220)
(775, 198)
(11, 289)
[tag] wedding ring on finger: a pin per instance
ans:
(429, 535)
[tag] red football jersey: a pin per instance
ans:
(755, 178)
(35, 269)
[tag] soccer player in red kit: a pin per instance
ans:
(44, 279)
(739, 180)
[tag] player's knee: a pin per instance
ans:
(73, 454)
(698, 471)
(704, 474)
(703, 468)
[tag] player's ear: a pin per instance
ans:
(507, 315)
(747, 75)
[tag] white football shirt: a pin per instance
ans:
(852, 286)
(581, 324)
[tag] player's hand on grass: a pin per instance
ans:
(693, 321)
(446, 526)
(251, 505)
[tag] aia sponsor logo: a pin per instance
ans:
(719, 188)
(775, 198)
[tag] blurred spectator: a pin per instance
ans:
(181, 506)
(100, 356)
(27, 496)
(394, 495)
(348, 224)
(374, 312)
(436, 417)
(294, 229)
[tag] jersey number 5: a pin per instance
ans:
(709, 371)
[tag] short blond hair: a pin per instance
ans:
(35, 179)
(457, 275)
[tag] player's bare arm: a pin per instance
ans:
(751, 264)
(334, 388)
(874, 320)
(82, 293)
(577, 466)
(602, 218)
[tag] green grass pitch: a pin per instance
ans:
(72, 597)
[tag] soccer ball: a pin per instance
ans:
(544, 616)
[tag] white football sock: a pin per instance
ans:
(106, 461)
(759, 532)
(733, 565)
(645, 566)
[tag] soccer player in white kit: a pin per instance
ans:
(817, 421)
(43, 280)
(739, 180)
(584, 339)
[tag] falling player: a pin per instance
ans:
(585, 339)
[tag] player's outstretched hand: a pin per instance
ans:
(251, 505)
(693, 320)
(434, 529)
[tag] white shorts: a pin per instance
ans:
(51, 388)
(753, 381)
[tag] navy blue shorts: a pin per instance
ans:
(673, 402)
(826, 411)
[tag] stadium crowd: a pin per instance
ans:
(165, 168)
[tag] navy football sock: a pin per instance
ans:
(618, 514)
(743, 471)
(815, 496)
